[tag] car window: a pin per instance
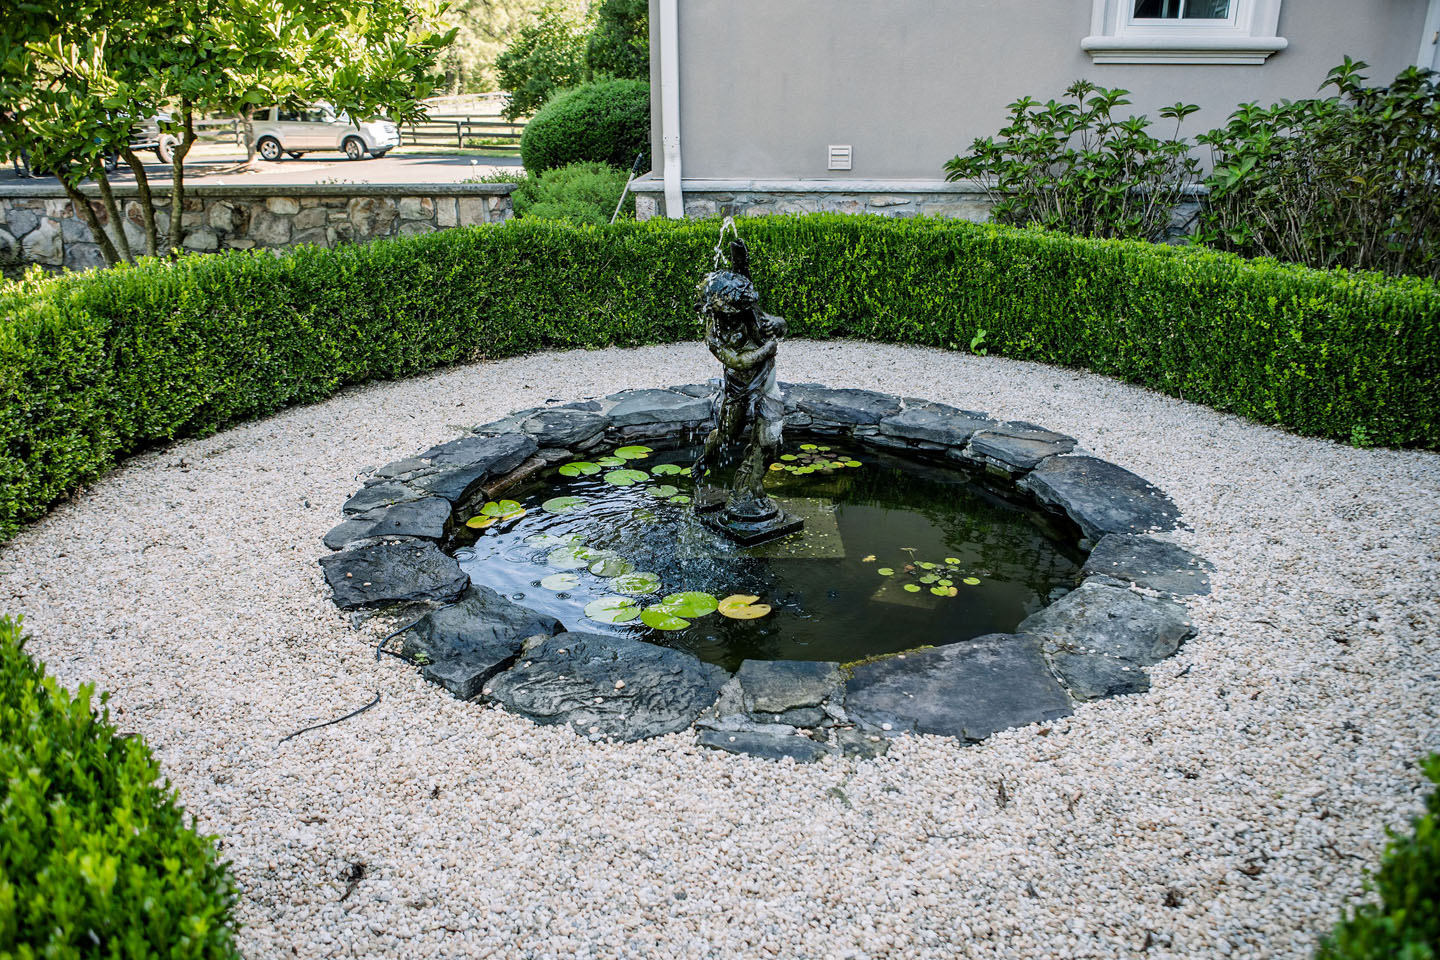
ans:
(290, 115)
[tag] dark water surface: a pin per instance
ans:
(829, 599)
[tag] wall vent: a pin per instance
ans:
(839, 156)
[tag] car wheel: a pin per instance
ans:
(165, 149)
(269, 148)
(354, 148)
(296, 154)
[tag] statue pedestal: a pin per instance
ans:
(752, 527)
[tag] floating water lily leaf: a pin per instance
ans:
(971, 581)
(636, 584)
(626, 478)
(929, 578)
(560, 581)
(852, 463)
(926, 565)
(572, 557)
(691, 603)
(952, 591)
(552, 540)
(611, 567)
(787, 457)
(886, 571)
(953, 561)
(947, 583)
(777, 466)
(666, 469)
(940, 591)
(611, 462)
(562, 504)
(612, 609)
(480, 522)
(662, 490)
(808, 446)
(643, 515)
(912, 588)
(636, 452)
(661, 618)
(687, 471)
(580, 468)
(837, 464)
(502, 511)
(823, 449)
(680, 498)
(742, 606)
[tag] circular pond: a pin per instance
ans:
(895, 554)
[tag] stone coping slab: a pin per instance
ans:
(1094, 641)
(162, 189)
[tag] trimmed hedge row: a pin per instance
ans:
(96, 365)
(96, 858)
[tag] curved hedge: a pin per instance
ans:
(606, 122)
(96, 365)
(96, 858)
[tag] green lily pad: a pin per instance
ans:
(644, 515)
(952, 561)
(947, 583)
(912, 588)
(788, 457)
(666, 469)
(626, 478)
(886, 571)
(687, 471)
(611, 567)
(680, 498)
(553, 540)
(852, 463)
(580, 468)
(613, 609)
(808, 446)
(823, 449)
(926, 565)
(636, 452)
(611, 462)
(940, 591)
(662, 490)
(971, 581)
(635, 584)
(572, 557)
(560, 581)
(661, 618)
(480, 522)
(691, 603)
(929, 578)
(562, 504)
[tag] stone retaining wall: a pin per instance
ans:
(38, 224)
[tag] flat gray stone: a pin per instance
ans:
(843, 406)
(563, 428)
(385, 573)
(1017, 446)
(1097, 638)
(380, 495)
(1101, 497)
(632, 408)
(768, 746)
(469, 642)
(706, 390)
(425, 519)
(969, 689)
(936, 423)
(1150, 563)
(857, 743)
(570, 678)
(775, 686)
(399, 468)
(484, 459)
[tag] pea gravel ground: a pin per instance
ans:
(1231, 811)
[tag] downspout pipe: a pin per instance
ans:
(670, 106)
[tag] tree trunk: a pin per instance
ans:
(82, 207)
(177, 182)
(247, 127)
(117, 217)
(147, 202)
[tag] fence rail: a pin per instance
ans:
(464, 131)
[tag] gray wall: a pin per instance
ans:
(766, 85)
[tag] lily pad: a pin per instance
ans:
(912, 588)
(952, 561)
(562, 504)
(971, 581)
(635, 584)
(808, 446)
(580, 468)
(661, 618)
(788, 457)
(636, 452)
(742, 606)
(926, 565)
(572, 557)
(680, 498)
(777, 466)
(662, 490)
(644, 515)
(666, 469)
(560, 581)
(554, 540)
(611, 567)
(480, 522)
(940, 591)
(886, 571)
(929, 578)
(611, 462)
(852, 463)
(613, 609)
(691, 603)
(626, 478)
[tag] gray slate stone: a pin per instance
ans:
(480, 459)
(841, 406)
(563, 428)
(1150, 563)
(570, 678)
(469, 642)
(380, 495)
(705, 390)
(400, 468)
(640, 407)
(1101, 497)
(1098, 637)
(384, 573)
(969, 689)
(937, 423)
(768, 746)
(775, 686)
(1017, 446)
(425, 519)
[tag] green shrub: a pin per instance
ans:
(1074, 167)
(1344, 181)
(578, 192)
(619, 44)
(547, 56)
(96, 365)
(606, 122)
(1405, 925)
(96, 858)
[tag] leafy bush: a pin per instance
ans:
(1348, 180)
(578, 192)
(95, 856)
(1074, 167)
(606, 122)
(619, 44)
(547, 56)
(96, 365)
(1405, 925)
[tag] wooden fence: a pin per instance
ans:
(488, 132)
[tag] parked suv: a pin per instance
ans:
(298, 132)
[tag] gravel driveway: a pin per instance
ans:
(1230, 810)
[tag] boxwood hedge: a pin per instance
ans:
(96, 859)
(96, 365)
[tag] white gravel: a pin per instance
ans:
(186, 583)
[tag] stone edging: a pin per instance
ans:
(1093, 642)
(249, 190)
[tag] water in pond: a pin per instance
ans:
(893, 555)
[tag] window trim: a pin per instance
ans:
(1248, 36)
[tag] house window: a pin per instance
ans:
(1184, 31)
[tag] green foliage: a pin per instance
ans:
(484, 28)
(96, 365)
(619, 44)
(1348, 180)
(578, 192)
(548, 56)
(1074, 167)
(606, 122)
(96, 859)
(1405, 924)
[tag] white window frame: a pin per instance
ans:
(1248, 35)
